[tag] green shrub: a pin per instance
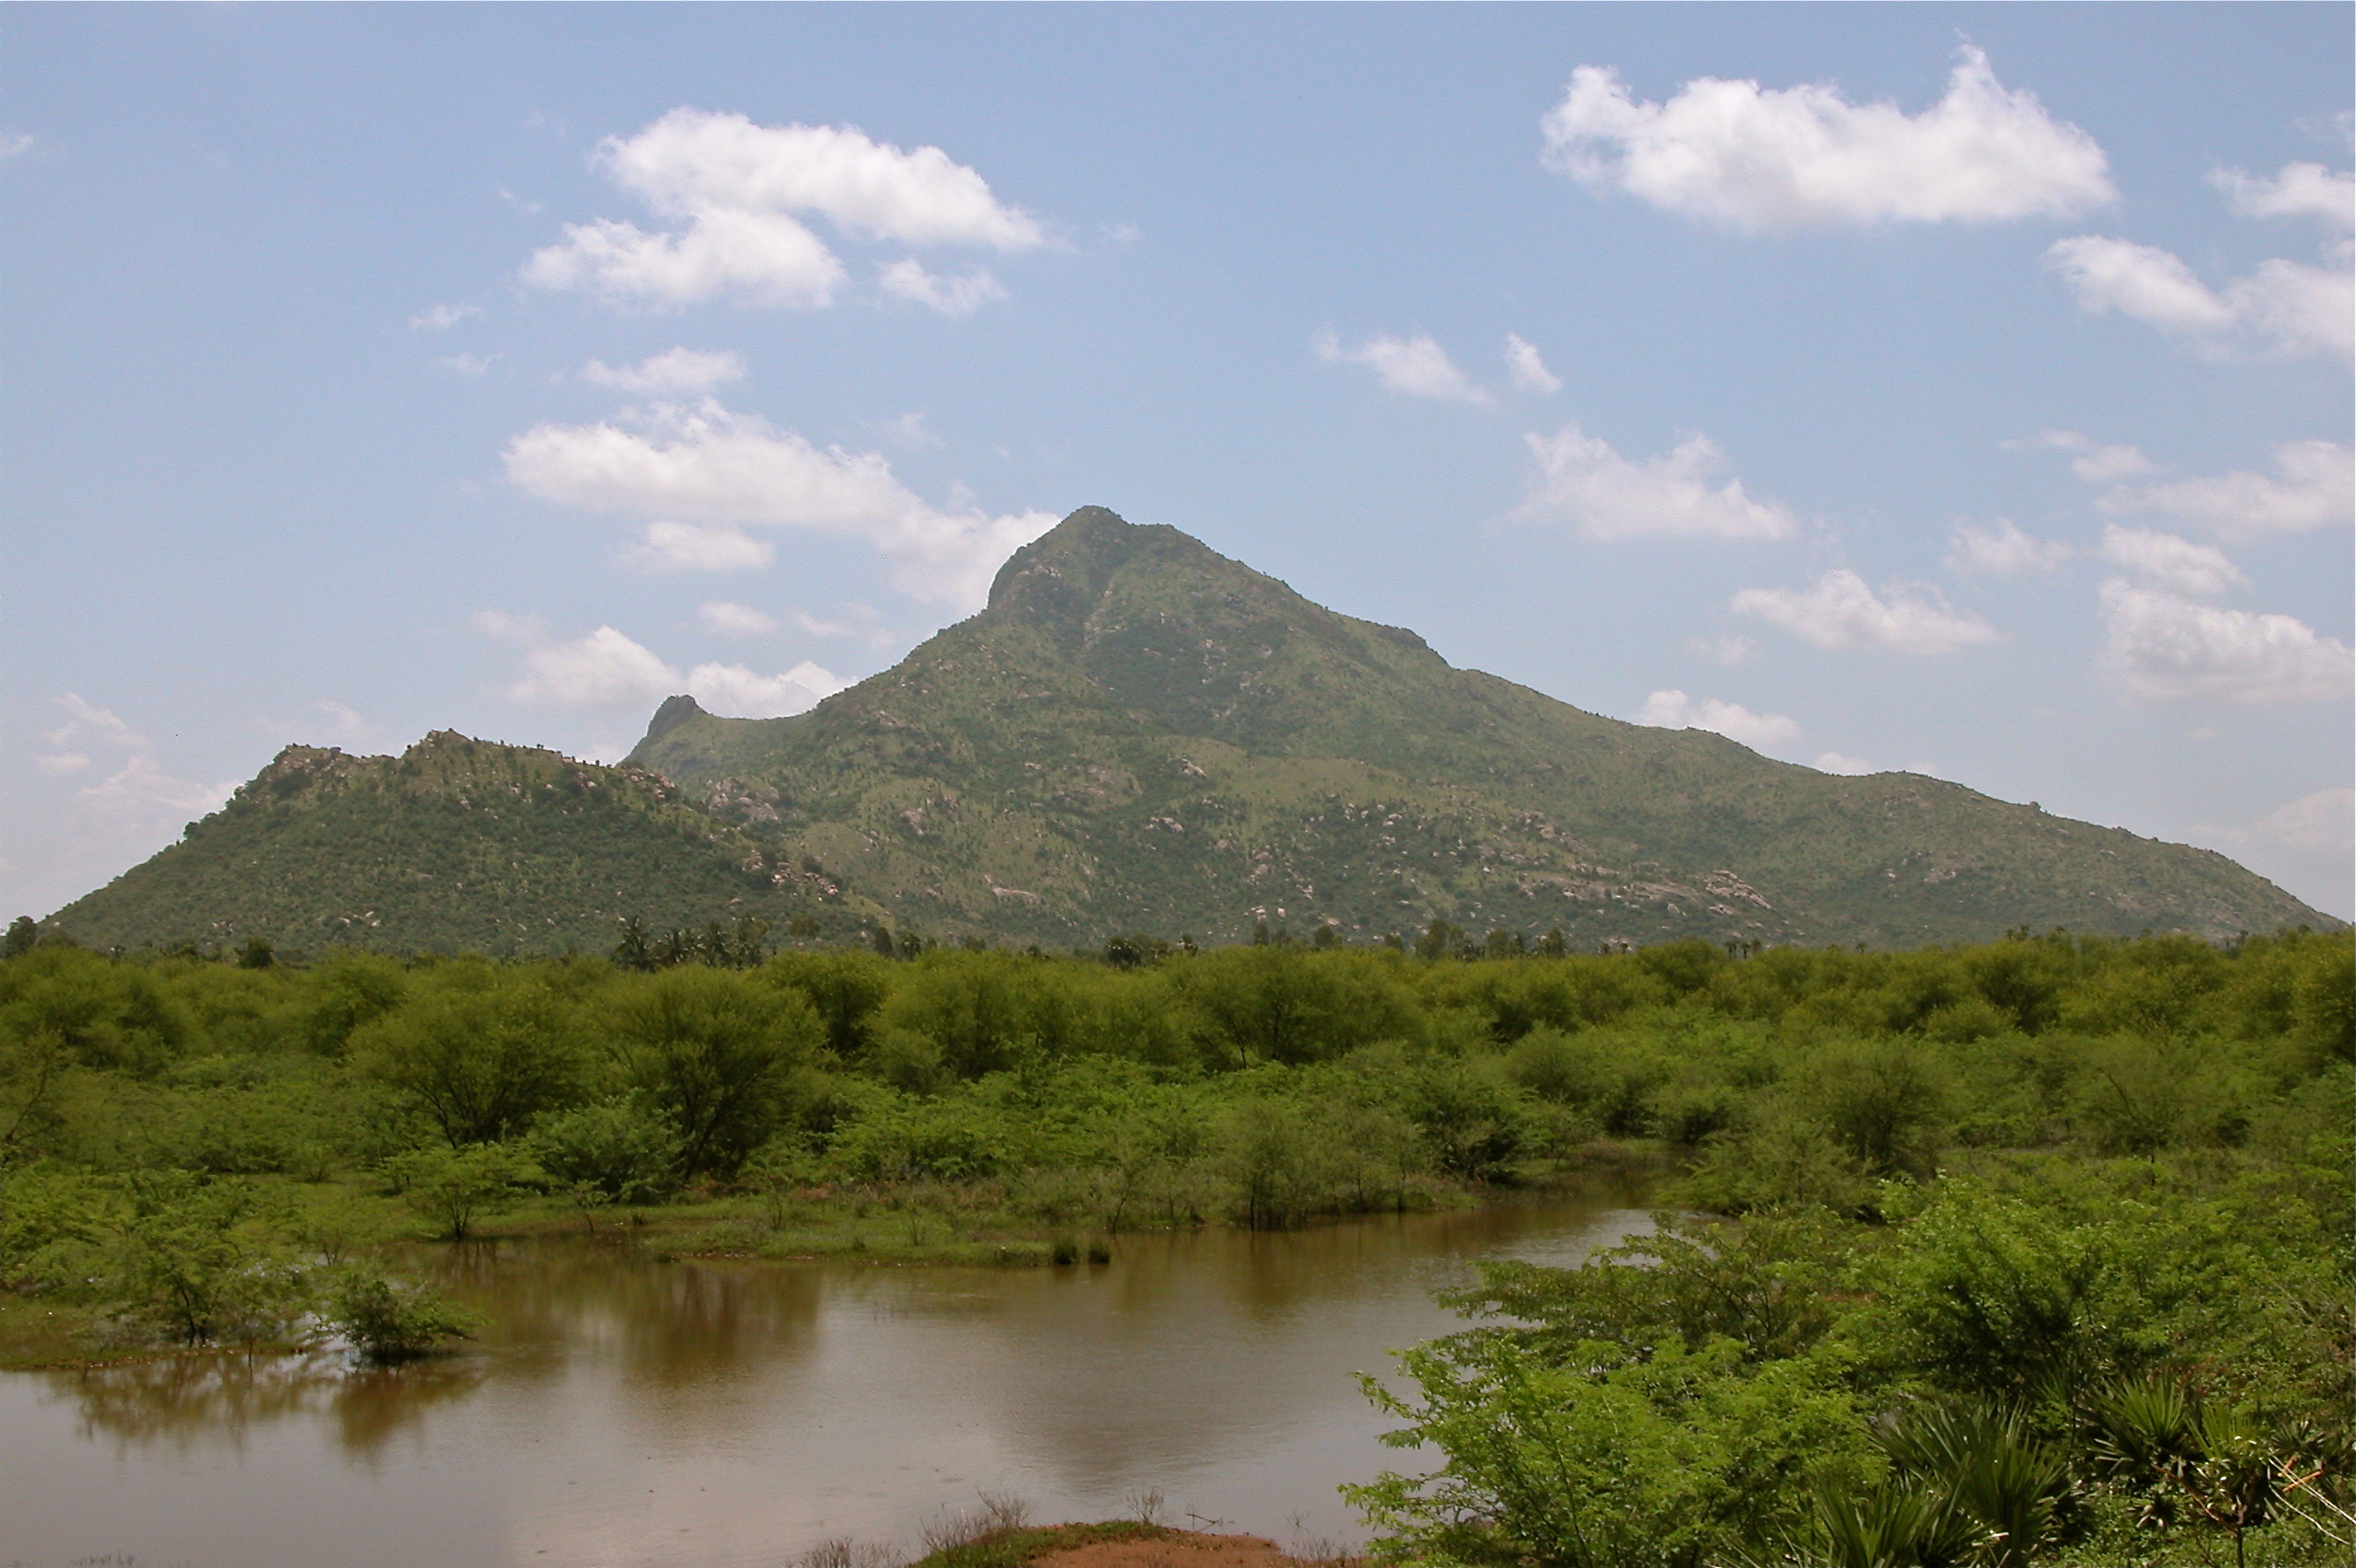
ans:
(622, 1148)
(390, 1320)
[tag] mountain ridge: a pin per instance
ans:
(1137, 734)
(1165, 657)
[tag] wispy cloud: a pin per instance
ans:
(670, 372)
(130, 799)
(906, 279)
(1840, 610)
(442, 317)
(1580, 482)
(2312, 486)
(668, 545)
(1412, 367)
(736, 620)
(1527, 368)
(2000, 549)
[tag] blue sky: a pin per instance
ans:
(1952, 388)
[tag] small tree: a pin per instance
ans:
(480, 1064)
(453, 1188)
(715, 1053)
(390, 1320)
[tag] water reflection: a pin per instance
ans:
(624, 1410)
(217, 1400)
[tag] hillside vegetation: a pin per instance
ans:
(1138, 734)
(456, 845)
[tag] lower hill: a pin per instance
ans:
(456, 845)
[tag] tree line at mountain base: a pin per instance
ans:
(2031, 1251)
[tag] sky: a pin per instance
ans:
(1964, 390)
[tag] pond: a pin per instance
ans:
(620, 1410)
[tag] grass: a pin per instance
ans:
(1018, 1545)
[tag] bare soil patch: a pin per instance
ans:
(1178, 1549)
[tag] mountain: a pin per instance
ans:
(1139, 734)
(454, 845)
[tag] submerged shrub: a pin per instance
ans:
(199, 1261)
(390, 1320)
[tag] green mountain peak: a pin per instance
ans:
(1138, 734)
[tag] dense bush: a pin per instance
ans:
(2036, 1250)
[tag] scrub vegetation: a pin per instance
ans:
(2033, 1250)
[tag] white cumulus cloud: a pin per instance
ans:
(2167, 561)
(2293, 307)
(2166, 648)
(1838, 762)
(1840, 610)
(2312, 486)
(731, 190)
(736, 620)
(2297, 191)
(1675, 710)
(951, 296)
(2002, 549)
(604, 669)
(608, 670)
(707, 466)
(734, 692)
(1412, 367)
(670, 372)
(1581, 483)
(1757, 159)
(1527, 369)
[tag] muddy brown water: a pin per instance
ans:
(621, 1412)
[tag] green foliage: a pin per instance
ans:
(390, 1320)
(620, 1149)
(481, 1053)
(715, 1053)
(1968, 1214)
(1266, 1004)
(198, 1262)
(1669, 1459)
(454, 1188)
